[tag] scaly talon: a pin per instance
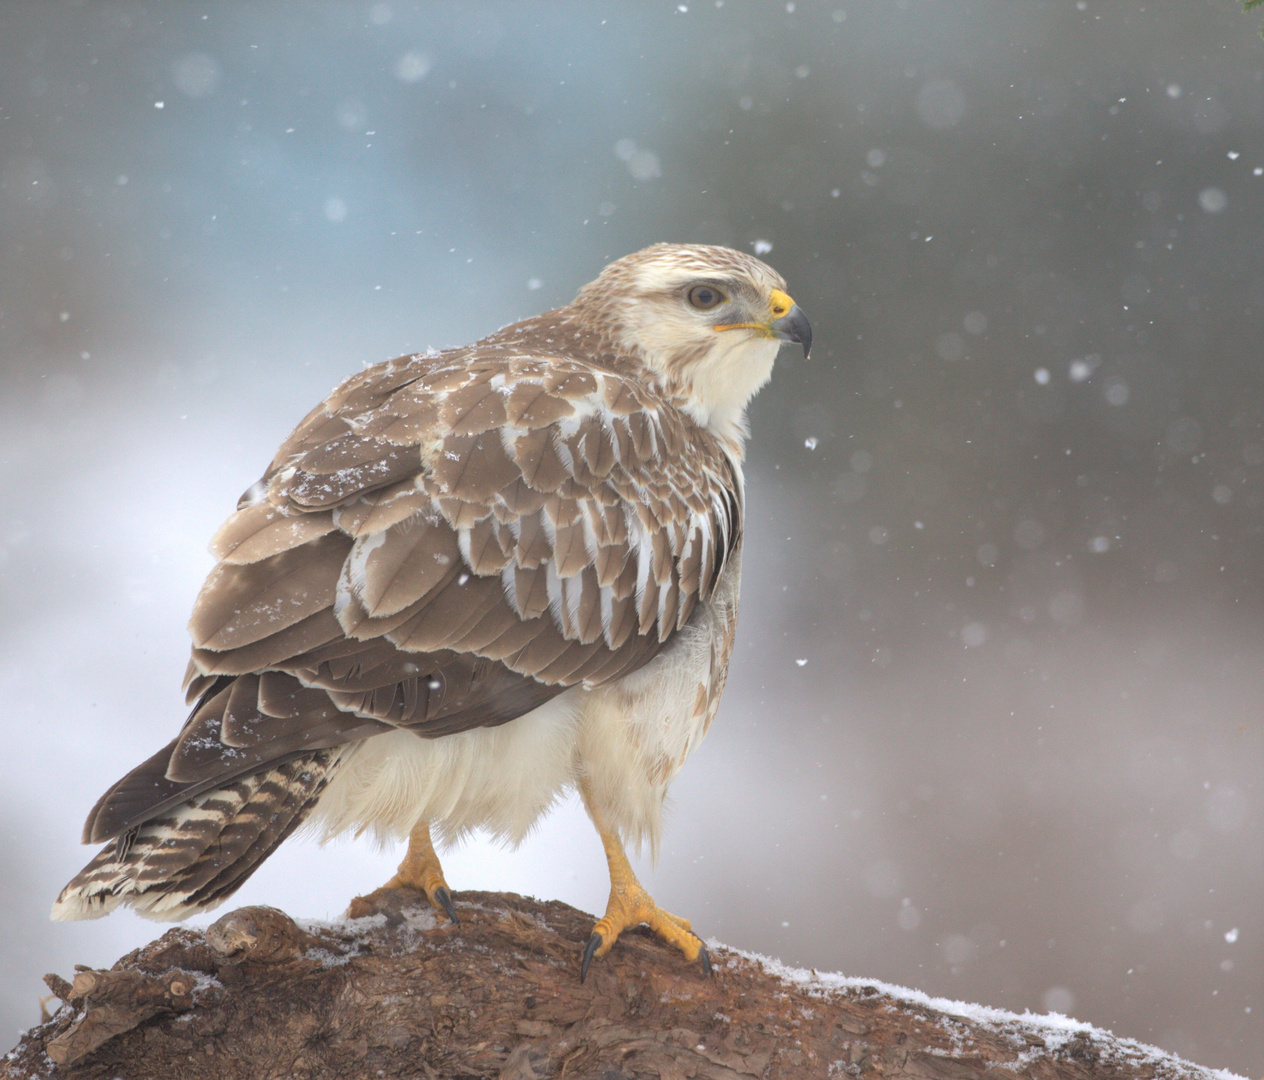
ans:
(442, 898)
(420, 870)
(630, 905)
(594, 943)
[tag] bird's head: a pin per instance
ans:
(707, 320)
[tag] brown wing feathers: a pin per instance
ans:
(447, 542)
(188, 855)
(200, 759)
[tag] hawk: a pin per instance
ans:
(469, 582)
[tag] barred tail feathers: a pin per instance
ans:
(193, 856)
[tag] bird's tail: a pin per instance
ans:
(196, 854)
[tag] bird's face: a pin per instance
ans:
(708, 319)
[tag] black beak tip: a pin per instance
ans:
(794, 326)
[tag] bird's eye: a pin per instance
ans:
(705, 297)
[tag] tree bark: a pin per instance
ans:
(403, 993)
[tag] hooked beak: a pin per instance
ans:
(794, 326)
(788, 323)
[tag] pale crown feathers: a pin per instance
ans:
(716, 358)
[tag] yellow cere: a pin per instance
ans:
(779, 304)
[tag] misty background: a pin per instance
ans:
(993, 727)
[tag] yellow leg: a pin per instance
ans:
(420, 870)
(630, 905)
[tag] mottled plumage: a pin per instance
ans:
(467, 581)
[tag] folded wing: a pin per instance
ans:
(447, 542)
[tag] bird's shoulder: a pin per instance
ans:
(570, 409)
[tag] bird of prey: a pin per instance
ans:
(469, 582)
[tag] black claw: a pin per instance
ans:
(445, 902)
(590, 950)
(705, 958)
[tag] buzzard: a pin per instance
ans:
(469, 582)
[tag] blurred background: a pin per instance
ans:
(993, 728)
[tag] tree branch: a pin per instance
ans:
(405, 994)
